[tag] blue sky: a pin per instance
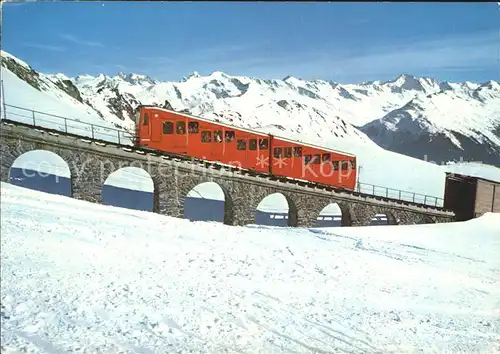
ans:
(343, 42)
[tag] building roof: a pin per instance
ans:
(453, 175)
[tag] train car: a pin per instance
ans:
(313, 163)
(180, 133)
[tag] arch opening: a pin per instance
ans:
(333, 215)
(425, 220)
(208, 201)
(131, 188)
(43, 171)
(383, 218)
(276, 210)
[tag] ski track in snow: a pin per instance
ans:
(81, 277)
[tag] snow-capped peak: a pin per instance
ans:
(6, 55)
(193, 75)
(136, 79)
(492, 85)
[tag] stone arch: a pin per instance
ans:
(333, 215)
(42, 170)
(425, 219)
(208, 201)
(383, 217)
(276, 209)
(130, 187)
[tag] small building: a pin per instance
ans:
(470, 197)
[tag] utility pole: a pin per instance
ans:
(4, 107)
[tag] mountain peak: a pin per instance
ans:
(136, 79)
(407, 82)
(219, 74)
(193, 75)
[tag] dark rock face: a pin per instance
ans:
(434, 147)
(167, 105)
(68, 87)
(24, 73)
(123, 103)
(496, 131)
(283, 104)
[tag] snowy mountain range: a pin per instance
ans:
(415, 116)
(419, 117)
(423, 116)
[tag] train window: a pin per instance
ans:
(288, 152)
(335, 165)
(263, 144)
(168, 128)
(193, 127)
(218, 136)
(344, 165)
(325, 157)
(297, 151)
(241, 144)
(353, 165)
(180, 127)
(278, 152)
(206, 136)
(317, 159)
(145, 119)
(229, 136)
(252, 144)
(307, 159)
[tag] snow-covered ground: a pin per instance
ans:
(90, 278)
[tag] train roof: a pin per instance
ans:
(313, 145)
(207, 120)
(247, 130)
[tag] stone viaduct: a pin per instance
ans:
(91, 161)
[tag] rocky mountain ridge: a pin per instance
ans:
(420, 117)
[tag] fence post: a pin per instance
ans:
(65, 125)
(425, 199)
(373, 188)
(92, 127)
(118, 137)
(400, 194)
(33, 113)
(413, 197)
(387, 192)
(4, 103)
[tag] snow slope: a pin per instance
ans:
(114, 280)
(39, 93)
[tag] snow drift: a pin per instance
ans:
(110, 280)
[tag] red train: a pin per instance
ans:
(166, 130)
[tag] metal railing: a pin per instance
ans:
(120, 136)
(67, 125)
(399, 194)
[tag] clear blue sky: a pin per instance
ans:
(343, 42)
